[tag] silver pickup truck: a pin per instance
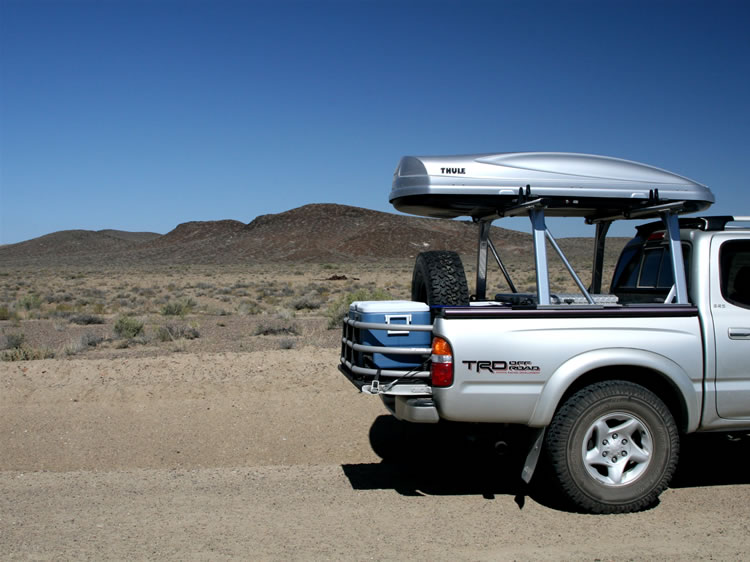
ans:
(607, 382)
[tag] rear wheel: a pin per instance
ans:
(439, 279)
(613, 447)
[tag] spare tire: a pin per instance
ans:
(439, 279)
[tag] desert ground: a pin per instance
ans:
(221, 429)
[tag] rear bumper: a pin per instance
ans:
(417, 410)
(409, 401)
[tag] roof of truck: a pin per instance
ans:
(567, 184)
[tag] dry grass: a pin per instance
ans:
(64, 311)
(116, 312)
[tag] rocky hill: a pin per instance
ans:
(313, 233)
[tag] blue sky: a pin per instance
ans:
(139, 115)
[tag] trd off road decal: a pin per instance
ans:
(499, 367)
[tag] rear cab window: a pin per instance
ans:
(644, 272)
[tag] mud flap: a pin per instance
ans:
(533, 456)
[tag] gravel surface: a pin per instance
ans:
(270, 455)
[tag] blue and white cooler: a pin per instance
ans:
(398, 314)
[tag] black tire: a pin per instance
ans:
(439, 279)
(612, 420)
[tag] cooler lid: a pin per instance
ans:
(388, 307)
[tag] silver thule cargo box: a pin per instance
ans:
(487, 185)
(600, 189)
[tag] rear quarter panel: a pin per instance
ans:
(515, 369)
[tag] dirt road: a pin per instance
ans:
(268, 456)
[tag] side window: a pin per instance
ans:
(734, 263)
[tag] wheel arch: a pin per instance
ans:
(657, 373)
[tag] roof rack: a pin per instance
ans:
(599, 189)
(715, 223)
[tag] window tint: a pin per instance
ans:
(666, 275)
(650, 268)
(734, 259)
(627, 271)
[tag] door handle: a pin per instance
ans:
(739, 333)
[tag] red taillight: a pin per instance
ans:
(441, 369)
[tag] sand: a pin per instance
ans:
(266, 455)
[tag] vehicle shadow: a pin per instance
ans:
(712, 459)
(445, 459)
(439, 459)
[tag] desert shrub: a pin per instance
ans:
(287, 343)
(276, 326)
(340, 307)
(91, 340)
(92, 293)
(249, 308)
(284, 314)
(125, 343)
(62, 310)
(172, 332)
(73, 348)
(178, 308)
(265, 292)
(286, 291)
(86, 341)
(25, 353)
(4, 313)
(128, 327)
(14, 341)
(29, 302)
(307, 302)
(321, 289)
(86, 319)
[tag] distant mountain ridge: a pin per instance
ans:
(75, 243)
(130, 236)
(313, 233)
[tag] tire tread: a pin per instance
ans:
(562, 424)
(442, 274)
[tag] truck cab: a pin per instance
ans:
(716, 253)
